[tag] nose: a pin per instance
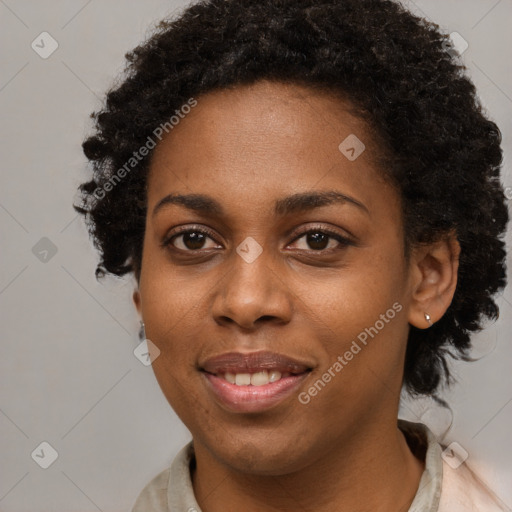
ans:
(252, 293)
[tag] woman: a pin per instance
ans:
(303, 190)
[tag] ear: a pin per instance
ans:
(137, 301)
(434, 280)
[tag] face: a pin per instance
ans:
(276, 289)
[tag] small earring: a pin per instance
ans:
(428, 319)
(142, 332)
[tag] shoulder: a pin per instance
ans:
(170, 490)
(462, 490)
(448, 484)
(153, 498)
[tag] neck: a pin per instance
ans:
(372, 469)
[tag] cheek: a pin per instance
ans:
(169, 298)
(176, 326)
(353, 298)
(362, 338)
(361, 329)
(173, 322)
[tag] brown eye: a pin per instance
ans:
(320, 240)
(193, 240)
(190, 240)
(317, 241)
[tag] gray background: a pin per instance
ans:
(68, 375)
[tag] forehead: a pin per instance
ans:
(252, 144)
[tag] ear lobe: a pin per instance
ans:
(434, 276)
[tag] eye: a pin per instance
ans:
(190, 239)
(322, 239)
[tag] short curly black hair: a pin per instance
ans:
(402, 74)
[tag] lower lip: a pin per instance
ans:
(253, 398)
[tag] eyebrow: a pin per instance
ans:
(300, 202)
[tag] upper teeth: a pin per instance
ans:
(255, 379)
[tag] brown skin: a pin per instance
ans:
(246, 148)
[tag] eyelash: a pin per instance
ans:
(343, 241)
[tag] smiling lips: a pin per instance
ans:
(253, 382)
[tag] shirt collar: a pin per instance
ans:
(421, 439)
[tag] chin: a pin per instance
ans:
(254, 454)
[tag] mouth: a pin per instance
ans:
(253, 382)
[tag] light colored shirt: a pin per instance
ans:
(446, 485)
